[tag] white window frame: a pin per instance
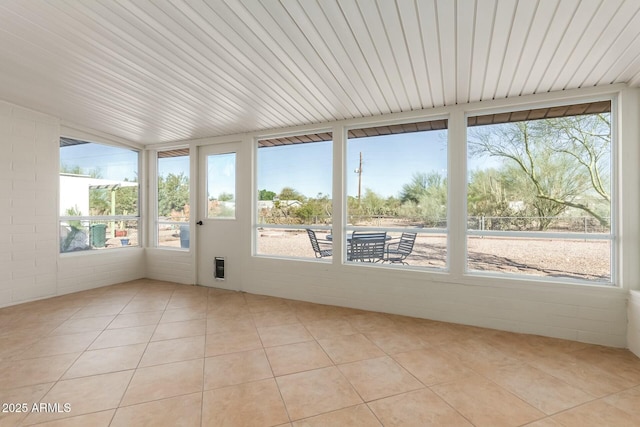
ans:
(154, 173)
(625, 175)
(433, 231)
(255, 191)
(612, 237)
(106, 218)
(205, 212)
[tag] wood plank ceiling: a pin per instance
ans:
(154, 71)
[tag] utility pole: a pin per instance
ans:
(359, 172)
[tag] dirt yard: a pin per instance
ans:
(573, 259)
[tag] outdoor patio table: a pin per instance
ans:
(330, 237)
(365, 251)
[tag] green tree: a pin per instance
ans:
(425, 197)
(288, 193)
(77, 170)
(74, 211)
(266, 195)
(422, 184)
(372, 204)
(587, 141)
(173, 193)
(99, 201)
(287, 212)
(509, 200)
(392, 205)
(126, 200)
(314, 210)
(564, 161)
(486, 193)
(126, 197)
(225, 197)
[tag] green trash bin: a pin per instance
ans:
(98, 235)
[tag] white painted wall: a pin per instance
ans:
(585, 314)
(633, 328)
(30, 265)
(81, 271)
(28, 204)
(593, 314)
(170, 265)
(629, 215)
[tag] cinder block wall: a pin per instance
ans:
(28, 171)
(30, 266)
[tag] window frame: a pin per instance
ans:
(425, 231)
(256, 225)
(612, 237)
(155, 174)
(205, 213)
(103, 218)
(623, 251)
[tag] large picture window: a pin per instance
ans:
(397, 195)
(98, 196)
(173, 199)
(539, 193)
(294, 201)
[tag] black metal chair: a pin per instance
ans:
(319, 245)
(366, 247)
(399, 251)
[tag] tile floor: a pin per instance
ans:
(160, 354)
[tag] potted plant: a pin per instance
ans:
(121, 231)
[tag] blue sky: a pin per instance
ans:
(221, 174)
(175, 165)
(303, 167)
(221, 171)
(111, 163)
(389, 162)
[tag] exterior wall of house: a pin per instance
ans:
(75, 189)
(30, 265)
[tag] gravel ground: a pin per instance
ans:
(539, 257)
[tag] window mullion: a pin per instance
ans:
(457, 172)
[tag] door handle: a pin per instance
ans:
(199, 223)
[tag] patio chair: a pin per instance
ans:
(366, 247)
(320, 245)
(399, 251)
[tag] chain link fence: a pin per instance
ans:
(579, 224)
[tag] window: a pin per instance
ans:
(397, 184)
(221, 186)
(294, 179)
(173, 199)
(540, 193)
(98, 196)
